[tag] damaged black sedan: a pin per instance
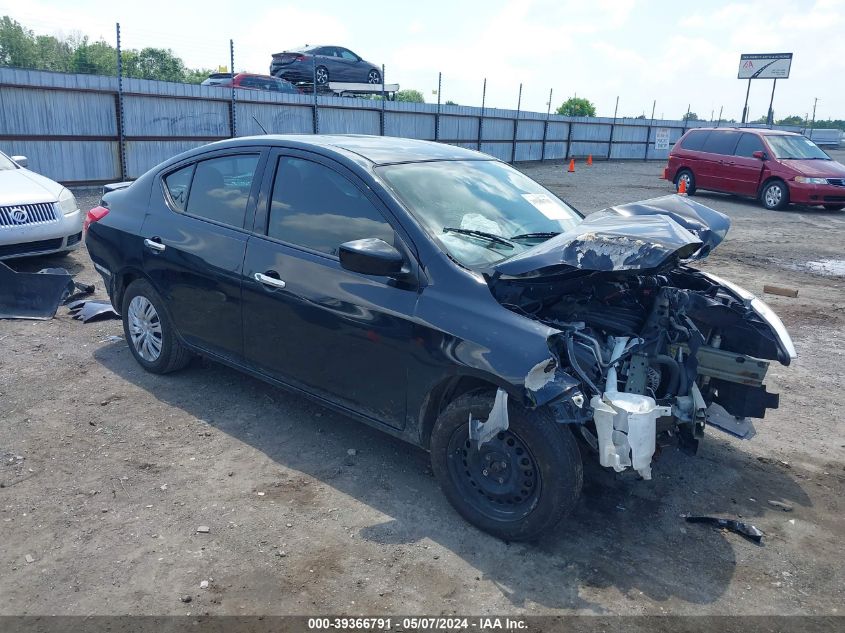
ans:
(445, 298)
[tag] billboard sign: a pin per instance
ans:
(765, 66)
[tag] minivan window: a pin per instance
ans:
(694, 141)
(748, 144)
(795, 147)
(316, 207)
(220, 188)
(721, 142)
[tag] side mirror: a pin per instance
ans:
(23, 161)
(371, 256)
(760, 154)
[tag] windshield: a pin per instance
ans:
(6, 162)
(479, 211)
(796, 147)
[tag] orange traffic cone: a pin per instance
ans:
(682, 187)
(590, 159)
(572, 166)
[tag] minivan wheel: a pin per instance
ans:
(149, 332)
(775, 195)
(516, 486)
(688, 178)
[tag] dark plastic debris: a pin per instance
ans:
(33, 295)
(738, 527)
(86, 311)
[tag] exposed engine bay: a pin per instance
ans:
(658, 347)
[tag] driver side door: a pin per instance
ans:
(342, 336)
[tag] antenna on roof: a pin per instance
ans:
(259, 125)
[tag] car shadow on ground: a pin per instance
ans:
(708, 198)
(626, 535)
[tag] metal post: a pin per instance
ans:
(648, 132)
(546, 127)
(437, 115)
(813, 122)
(382, 100)
(686, 117)
(315, 115)
(233, 109)
(516, 125)
(745, 107)
(481, 118)
(770, 117)
(612, 128)
(121, 132)
(568, 137)
(719, 122)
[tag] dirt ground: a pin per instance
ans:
(108, 471)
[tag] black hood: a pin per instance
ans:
(637, 236)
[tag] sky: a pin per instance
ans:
(639, 50)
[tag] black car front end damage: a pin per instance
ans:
(653, 345)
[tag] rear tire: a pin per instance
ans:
(373, 77)
(687, 175)
(149, 332)
(517, 486)
(775, 195)
(834, 207)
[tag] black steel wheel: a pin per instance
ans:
(519, 484)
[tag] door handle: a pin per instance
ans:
(154, 245)
(267, 280)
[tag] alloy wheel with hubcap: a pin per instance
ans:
(374, 77)
(775, 196)
(145, 328)
(322, 75)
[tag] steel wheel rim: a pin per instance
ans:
(773, 195)
(373, 77)
(322, 75)
(511, 487)
(144, 328)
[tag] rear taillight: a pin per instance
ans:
(299, 58)
(94, 215)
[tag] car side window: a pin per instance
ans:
(220, 188)
(177, 184)
(721, 142)
(748, 144)
(347, 55)
(694, 141)
(315, 207)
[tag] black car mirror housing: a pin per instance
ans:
(371, 256)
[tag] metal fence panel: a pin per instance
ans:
(497, 130)
(34, 112)
(276, 120)
(142, 156)
(349, 121)
(69, 161)
(419, 126)
(456, 128)
(157, 116)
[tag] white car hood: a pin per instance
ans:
(21, 186)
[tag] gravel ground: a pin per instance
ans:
(108, 471)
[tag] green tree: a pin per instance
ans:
(577, 106)
(690, 116)
(450, 102)
(792, 120)
(17, 44)
(99, 58)
(153, 63)
(411, 96)
(53, 54)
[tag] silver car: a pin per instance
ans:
(37, 215)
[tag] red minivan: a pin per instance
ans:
(773, 166)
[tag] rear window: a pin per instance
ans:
(694, 141)
(721, 142)
(748, 144)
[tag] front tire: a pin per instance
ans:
(518, 485)
(149, 331)
(322, 76)
(374, 77)
(689, 179)
(775, 195)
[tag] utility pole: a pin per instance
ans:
(813, 123)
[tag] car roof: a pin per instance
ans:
(753, 130)
(378, 150)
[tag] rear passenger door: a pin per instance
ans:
(310, 323)
(717, 157)
(744, 174)
(194, 244)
